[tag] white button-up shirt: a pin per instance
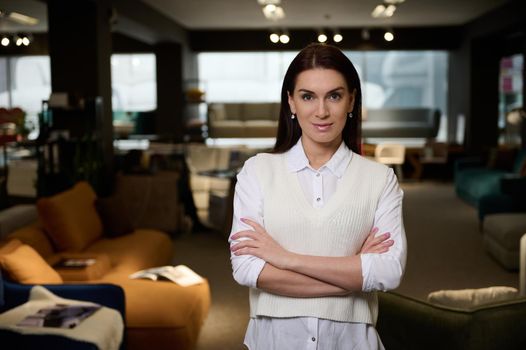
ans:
(379, 271)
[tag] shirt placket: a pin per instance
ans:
(317, 190)
(312, 326)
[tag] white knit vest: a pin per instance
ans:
(337, 229)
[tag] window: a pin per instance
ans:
(243, 77)
(390, 79)
(25, 82)
(510, 98)
(133, 82)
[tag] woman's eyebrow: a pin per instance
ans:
(329, 92)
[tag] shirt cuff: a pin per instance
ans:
(256, 267)
(367, 284)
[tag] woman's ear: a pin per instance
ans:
(292, 106)
(352, 98)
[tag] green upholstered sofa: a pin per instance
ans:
(405, 324)
(491, 189)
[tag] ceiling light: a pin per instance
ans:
(378, 11)
(273, 12)
(383, 11)
(388, 36)
(5, 41)
(18, 41)
(22, 19)
(394, 2)
(25, 40)
(337, 37)
(274, 37)
(322, 38)
(389, 11)
(273, 2)
(284, 38)
(365, 34)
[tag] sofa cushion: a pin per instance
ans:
(471, 298)
(24, 265)
(257, 111)
(114, 216)
(35, 236)
(70, 217)
(138, 250)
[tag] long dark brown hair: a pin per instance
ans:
(327, 57)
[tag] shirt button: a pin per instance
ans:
(318, 175)
(318, 199)
(313, 339)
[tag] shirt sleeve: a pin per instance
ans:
(248, 203)
(384, 271)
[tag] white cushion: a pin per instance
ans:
(470, 298)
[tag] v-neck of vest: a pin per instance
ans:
(336, 199)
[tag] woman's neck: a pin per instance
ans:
(319, 154)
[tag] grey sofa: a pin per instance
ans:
(401, 122)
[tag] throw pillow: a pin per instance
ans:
(25, 265)
(115, 219)
(470, 298)
(70, 218)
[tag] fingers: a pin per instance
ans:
(244, 234)
(243, 246)
(381, 238)
(379, 248)
(253, 224)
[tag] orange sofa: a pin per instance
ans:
(159, 315)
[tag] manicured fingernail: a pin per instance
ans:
(387, 234)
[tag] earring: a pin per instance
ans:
(349, 114)
(293, 116)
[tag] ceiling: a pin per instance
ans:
(238, 14)
(242, 14)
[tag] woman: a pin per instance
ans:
(307, 217)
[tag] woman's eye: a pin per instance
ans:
(306, 97)
(335, 96)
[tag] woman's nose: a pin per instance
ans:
(323, 111)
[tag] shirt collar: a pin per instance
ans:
(297, 160)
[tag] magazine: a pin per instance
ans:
(75, 263)
(180, 274)
(59, 316)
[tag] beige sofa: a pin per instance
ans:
(243, 119)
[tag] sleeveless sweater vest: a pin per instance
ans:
(337, 229)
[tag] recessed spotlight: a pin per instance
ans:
(274, 37)
(388, 36)
(322, 38)
(5, 41)
(337, 37)
(284, 38)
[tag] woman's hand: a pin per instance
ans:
(378, 245)
(260, 244)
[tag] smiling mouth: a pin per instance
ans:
(322, 127)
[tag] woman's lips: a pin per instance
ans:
(322, 127)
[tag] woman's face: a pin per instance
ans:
(321, 101)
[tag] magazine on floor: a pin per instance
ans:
(59, 316)
(180, 274)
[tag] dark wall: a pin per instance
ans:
(407, 38)
(474, 72)
(169, 119)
